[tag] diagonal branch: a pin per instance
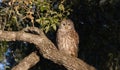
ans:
(27, 62)
(47, 49)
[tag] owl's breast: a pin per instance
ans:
(66, 42)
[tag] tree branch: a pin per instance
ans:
(27, 62)
(47, 49)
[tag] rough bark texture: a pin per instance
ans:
(27, 62)
(47, 49)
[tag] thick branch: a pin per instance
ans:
(47, 49)
(27, 62)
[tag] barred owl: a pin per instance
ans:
(67, 38)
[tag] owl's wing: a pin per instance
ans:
(74, 35)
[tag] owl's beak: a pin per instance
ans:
(66, 27)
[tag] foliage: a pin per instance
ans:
(3, 49)
(46, 14)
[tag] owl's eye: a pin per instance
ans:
(69, 24)
(63, 23)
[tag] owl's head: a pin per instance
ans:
(66, 24)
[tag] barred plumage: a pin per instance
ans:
(67, 38)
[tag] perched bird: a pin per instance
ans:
(67, 38)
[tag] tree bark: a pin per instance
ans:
(47, 49)
(27, 62)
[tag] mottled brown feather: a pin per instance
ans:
(67, 38)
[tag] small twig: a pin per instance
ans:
(32, 30)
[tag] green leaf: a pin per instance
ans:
(47, 29)
(43, 8)
(56, 20)
(46, 21)
(38, 20)
(61, 7)
(7, 25)
(54, 26)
